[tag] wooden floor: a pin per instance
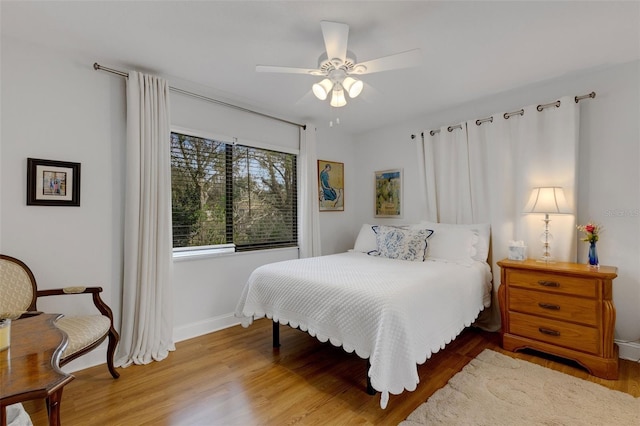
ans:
(234, 377)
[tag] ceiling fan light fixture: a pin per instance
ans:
(338, 66)
(322, 89)
(337, 98)
(353, 86)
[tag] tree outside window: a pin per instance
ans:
(224, 193)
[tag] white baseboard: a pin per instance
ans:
(99, 355)
(199, 328)
(629, 350)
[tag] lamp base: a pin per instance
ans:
(546, 238)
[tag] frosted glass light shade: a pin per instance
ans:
(322, 89)
(550, 200)
(353, 86)
(337, 98)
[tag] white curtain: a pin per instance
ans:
(449, 194)
(426, 178)
(147, 311)
(505, 159)
(308, 208)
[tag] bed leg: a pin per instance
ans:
(370, 389)
(276, 334)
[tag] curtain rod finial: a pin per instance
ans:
(96, 66)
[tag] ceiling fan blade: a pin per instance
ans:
(288, 70)
(371, 95)
(335, 36)
(410, 58)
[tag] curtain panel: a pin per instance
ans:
(309, 211)
(147, 310)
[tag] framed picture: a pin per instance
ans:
(388, 193)
(53, 183)
(331, 186)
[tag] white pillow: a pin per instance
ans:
(458, 242)
(453, 245)
(366, 240)
(400, 243)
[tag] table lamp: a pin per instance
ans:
(547, 200)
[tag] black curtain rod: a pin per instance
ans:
(98, 67)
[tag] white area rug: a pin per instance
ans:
(494, 389)
(17, 416)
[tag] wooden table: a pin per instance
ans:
(29, 368)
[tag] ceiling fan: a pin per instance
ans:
(339, 66)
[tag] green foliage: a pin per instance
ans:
(262, 187)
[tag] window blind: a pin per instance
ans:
(224, 193)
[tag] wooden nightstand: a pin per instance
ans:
(560, 308)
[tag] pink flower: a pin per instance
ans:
(591, 231)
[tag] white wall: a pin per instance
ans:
(609, 176)
(337, 227)
(207, 289)
(55, 106)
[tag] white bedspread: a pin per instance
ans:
(396, 313)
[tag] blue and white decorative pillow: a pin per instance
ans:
(403, 244)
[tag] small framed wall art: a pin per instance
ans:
(331, 185)
(388, 193)
(53, 183)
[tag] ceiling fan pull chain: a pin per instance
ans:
(337, 119)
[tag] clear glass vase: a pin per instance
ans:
(593, 254)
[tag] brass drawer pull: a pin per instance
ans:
(549, 283)
(549, 306)
(548, 331)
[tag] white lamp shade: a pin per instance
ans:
(353, 86)
(549, 200)
(322, 89)
(337, 98)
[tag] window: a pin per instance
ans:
(225, 193)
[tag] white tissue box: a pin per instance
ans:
(518, 252)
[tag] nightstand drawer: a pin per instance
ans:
(556, 306)
(572, 336)
(555, 283)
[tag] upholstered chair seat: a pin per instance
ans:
(18, 297)
(83, 331)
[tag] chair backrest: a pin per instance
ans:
(17, 287)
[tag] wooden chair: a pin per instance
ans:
(18, 297)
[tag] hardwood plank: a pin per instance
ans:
(235, 377)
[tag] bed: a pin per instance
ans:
(395, 313)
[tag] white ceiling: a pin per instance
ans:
(469, 49)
